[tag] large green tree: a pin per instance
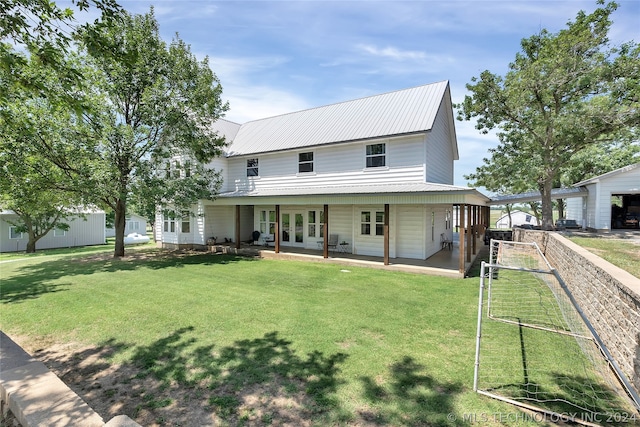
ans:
(31, 185)
(45, 31)
(159, 102)
(563, 93)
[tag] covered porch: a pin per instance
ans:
(445, 263)
(418, 226)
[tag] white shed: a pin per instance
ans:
(517, 218)
(84, 230)
(134, 224)
(612, 201)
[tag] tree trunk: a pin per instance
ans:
(31, 243)
(31, 246)
(119, 224)
(508, 207)
(561, 204)
(547, 206)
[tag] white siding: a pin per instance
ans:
(410, 228)
(439, 152)
(219, 222)
(220, 164)
(372, 244)
(82, 232)
(574, 209)
(622, 183)
(340, 164)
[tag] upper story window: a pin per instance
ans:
(305, 162)
(376, 155)
(252, 167)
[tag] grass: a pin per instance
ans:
(335, 346)
(625, 255)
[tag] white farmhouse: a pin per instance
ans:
(376, 173)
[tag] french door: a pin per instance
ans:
(292, 233)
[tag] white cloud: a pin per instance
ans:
(249, 99)
(393, 53)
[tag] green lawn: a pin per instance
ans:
(625, 255)
(256, 342)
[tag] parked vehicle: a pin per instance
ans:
(135, 239)
(564, 224)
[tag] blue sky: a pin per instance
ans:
(275, 57)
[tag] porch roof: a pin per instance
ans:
(370, 193)
(534, 196)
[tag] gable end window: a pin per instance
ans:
(376, 155)
(305, 162)
(252, 167)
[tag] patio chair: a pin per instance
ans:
(333, 242)
(445, 243)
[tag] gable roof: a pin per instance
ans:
(607, 175)
(402, 112)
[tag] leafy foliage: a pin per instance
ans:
(563, 93)
(157, 102)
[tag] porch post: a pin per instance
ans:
(469, 236)
(237, 226)
(325, 233)
(475, 227)
(386, 234)
(276, 236)
(461, 237)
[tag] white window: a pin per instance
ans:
(187, 169)
(169, 225)
(376, 155)
(268, 222)
(133, 225)
(305, 162)
(312, 225)
(59, 233)
(370, 224)
(14, 233)
(186, 222)
(252, 167)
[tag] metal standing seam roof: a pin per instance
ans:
(607, 175)
(226, 128)
(556, 193)
(394, 113)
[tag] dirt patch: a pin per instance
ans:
(113, 390)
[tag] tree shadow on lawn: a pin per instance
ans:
(34, 280)
(412, 398)
(173, 381)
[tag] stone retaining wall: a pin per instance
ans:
(608, 295)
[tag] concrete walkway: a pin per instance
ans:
(37, 397)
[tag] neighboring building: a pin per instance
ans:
(134, 224)
(612, 200)
(358, 165)
(518, 218)
(85, 231)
